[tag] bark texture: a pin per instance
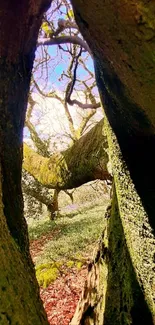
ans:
(20, 22)
(91, 307)
(19, 293)
(121, 38)
(85, 161)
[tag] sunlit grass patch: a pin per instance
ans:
(40, 228)
(72, 236)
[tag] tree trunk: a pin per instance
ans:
(54, 206)
(121, 37)
(20, 302)
(85, 161)
(91, 306)
(19, 292)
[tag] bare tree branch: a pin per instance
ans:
(40, 144)
(65, 39)
(62, 25)
(70, 88)
(48, 95)
(83, 106)
(31, 105)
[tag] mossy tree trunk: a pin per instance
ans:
(121, 37)
(20, 22)
(85, 161)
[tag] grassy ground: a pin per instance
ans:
(71, 235)
(69, 241)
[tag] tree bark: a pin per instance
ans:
(20, 22)
(91, 306)
(53, 208)
(85, 161)
(19, 292)
(121, 38)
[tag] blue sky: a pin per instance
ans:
(59, 63)
(59, 59)
(49, 78)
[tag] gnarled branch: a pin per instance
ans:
(64, 40)
(85, 161)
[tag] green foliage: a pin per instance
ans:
(47, 273)
(79, 265)
(70, 14)
(76, 263)
(70, 264)
(46, 28)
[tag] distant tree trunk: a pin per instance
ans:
(121, 37)
(20, 21)
(54, 206)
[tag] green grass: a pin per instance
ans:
(39, 228)
(73, 237)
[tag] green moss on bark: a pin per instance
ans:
(130, 292)
(126, 302)
(86, 160)
(19, 293)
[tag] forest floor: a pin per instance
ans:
(61, 251)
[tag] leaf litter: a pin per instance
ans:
(61, 297)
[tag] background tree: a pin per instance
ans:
(85, 161)
(80, 84)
